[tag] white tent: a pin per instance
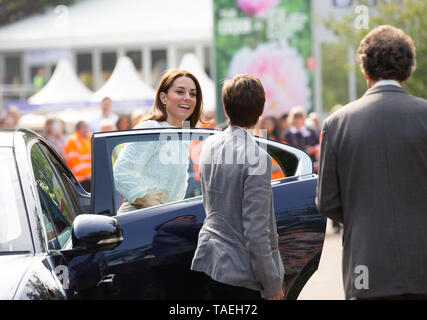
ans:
(64, 87)
(190, 63)
(125, 84)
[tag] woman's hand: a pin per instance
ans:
(278, 296)
(151, 199)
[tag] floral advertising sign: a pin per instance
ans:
(270, 39)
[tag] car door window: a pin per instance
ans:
(284, 164)
(166, 168)
(153, 171)
(58, 214)
(63, 175)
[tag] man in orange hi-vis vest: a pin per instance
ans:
(77, 154)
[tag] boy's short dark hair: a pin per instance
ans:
(387, 53)
(243, 98)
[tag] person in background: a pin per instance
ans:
(39, 79)
(136, 116)
(237, 249)
(107, 125)
(13, 113)
(298, 135)
(77, 154)
(6, 123)
(54, 133)
(372, 175)
(268, 128)
(209, 121)
(106, 106)
(313, 122)
(271, 127)
(123, 123)
(283, 125)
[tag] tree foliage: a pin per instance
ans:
(408, 15)
(14, 10)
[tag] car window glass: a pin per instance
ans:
(58, 214)
(284, 163)
(154, 171)
(166, 168)
(14, 229)
(62, 174)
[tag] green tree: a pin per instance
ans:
(408, 15)
(334, 80)
(13, 10)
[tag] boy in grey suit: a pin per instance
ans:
(238, 246)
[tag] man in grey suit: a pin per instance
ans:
(238, 245)
(373, 175)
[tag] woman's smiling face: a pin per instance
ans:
(180, 100)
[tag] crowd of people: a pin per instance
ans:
(294, 128)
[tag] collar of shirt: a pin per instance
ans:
(387, 83)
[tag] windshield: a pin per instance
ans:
(14, 229)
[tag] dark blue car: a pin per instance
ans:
(59, 242)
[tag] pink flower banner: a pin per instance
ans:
(270, 39)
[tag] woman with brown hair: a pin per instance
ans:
(178, 99)
(139, 174)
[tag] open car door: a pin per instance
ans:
(154, 259)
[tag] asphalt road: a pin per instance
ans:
(326, 283)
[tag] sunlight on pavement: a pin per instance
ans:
(326, 283)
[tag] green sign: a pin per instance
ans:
(270, 39)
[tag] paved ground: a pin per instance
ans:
(326, 283)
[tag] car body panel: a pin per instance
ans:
(160, 243)
(41, 281)
(6, 138)
(13, 268)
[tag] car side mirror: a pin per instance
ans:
(92, 233)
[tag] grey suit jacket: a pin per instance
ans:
(373, 178)
(238, 242)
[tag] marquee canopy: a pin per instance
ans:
(64, 87)
(124, 84)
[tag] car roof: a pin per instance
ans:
(6, 137)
